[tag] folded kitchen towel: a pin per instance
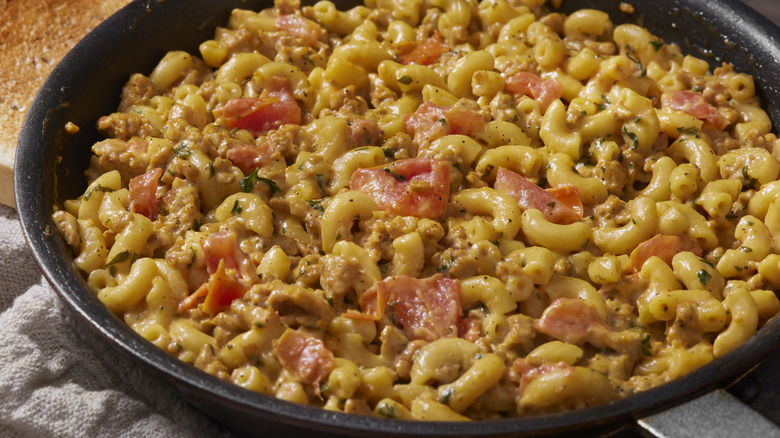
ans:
(55, 382)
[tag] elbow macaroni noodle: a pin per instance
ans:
(435, 209)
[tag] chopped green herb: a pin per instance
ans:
(633, 137)
(248, 183)
(121, 258)
(551, 205)
(707, 262)
(272, 184)
(236, 208)
(182, 150)
(745, 249)
(688, 130)
(750, 182)
(646, 347)
(657, 45)
(704, 276)
(446, 395)
(387, 410)
(405, 79)
(641, 69)
(210, 168)
(316, 205)
(601, 107)
(259, 324)
(98, 188)
(320, 181)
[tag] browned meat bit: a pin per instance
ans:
(68, 226)
(139, 90)
(301, 307)
(346, 101)
(339, 276)
(288, 141)
(179, 212)
(125, 126)
(129, 158)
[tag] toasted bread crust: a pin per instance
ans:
(34, 36)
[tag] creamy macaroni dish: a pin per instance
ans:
(435, 209)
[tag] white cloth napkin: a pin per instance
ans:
(55, 383)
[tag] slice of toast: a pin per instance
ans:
(34, 36)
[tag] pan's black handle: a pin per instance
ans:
(717, 414)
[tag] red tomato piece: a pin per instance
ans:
(663, 246)
(194, 299)
(222, 290)
(469, 329)
(143, 193)
(463, 121)
(694, 104)
(412, 187)
(544, 91)
(570, 320)
(300, 27)
(424, 53)
(427, 123)
(274, 108)
(569, 196)
(560, 211)
(260, 115)
(223, 247)
(426, 309)
(432, 121)
(250, 157)
(305, 355)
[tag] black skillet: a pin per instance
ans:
(86, 85)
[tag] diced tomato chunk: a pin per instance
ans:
(570, 320)
(569, 196)
(305, 355)
(222, 290)
(463, 121)
(694, 104)
(664, 247)
(424, 53)
(143, 193)
(560, 205)
(250, 157)
(194, 299)
(426, 309)
(544, 91)
(469, 329)
(300, 27)
(223, 246)
(274, 108)
(431, 121)
(412, 187)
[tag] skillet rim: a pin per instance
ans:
(35, 198)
